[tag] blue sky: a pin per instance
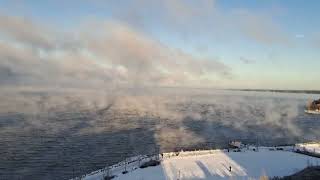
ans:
(264, 44)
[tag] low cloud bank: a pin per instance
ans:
(101, 54)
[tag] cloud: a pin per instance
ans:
(25, 31)
(149, 60)
(28, 67)
(123, 51)
(195, 21)
(112, 52)
(246, 60)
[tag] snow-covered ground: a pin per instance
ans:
(309, 147)
(215, 164)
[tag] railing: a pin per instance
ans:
(121, 165)
(133, 163)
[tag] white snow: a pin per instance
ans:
(214, 164)
(237, 144)
(309, 147)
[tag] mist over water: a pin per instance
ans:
(63, 134)
(83, 90)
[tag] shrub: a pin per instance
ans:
(109, 177)
(150, 163)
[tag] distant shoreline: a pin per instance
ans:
(280, 91)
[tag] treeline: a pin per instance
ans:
(280, 91)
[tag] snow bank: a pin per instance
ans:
(215, 164)
(130, 164)
(313, 147)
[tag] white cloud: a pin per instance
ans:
(25, 31)
(102, 54)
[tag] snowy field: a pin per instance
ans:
(215, 164)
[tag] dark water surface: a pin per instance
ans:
(61, 144)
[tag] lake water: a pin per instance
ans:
(43, 138)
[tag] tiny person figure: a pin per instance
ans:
(230, 168)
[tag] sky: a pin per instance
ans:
(268, 44)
